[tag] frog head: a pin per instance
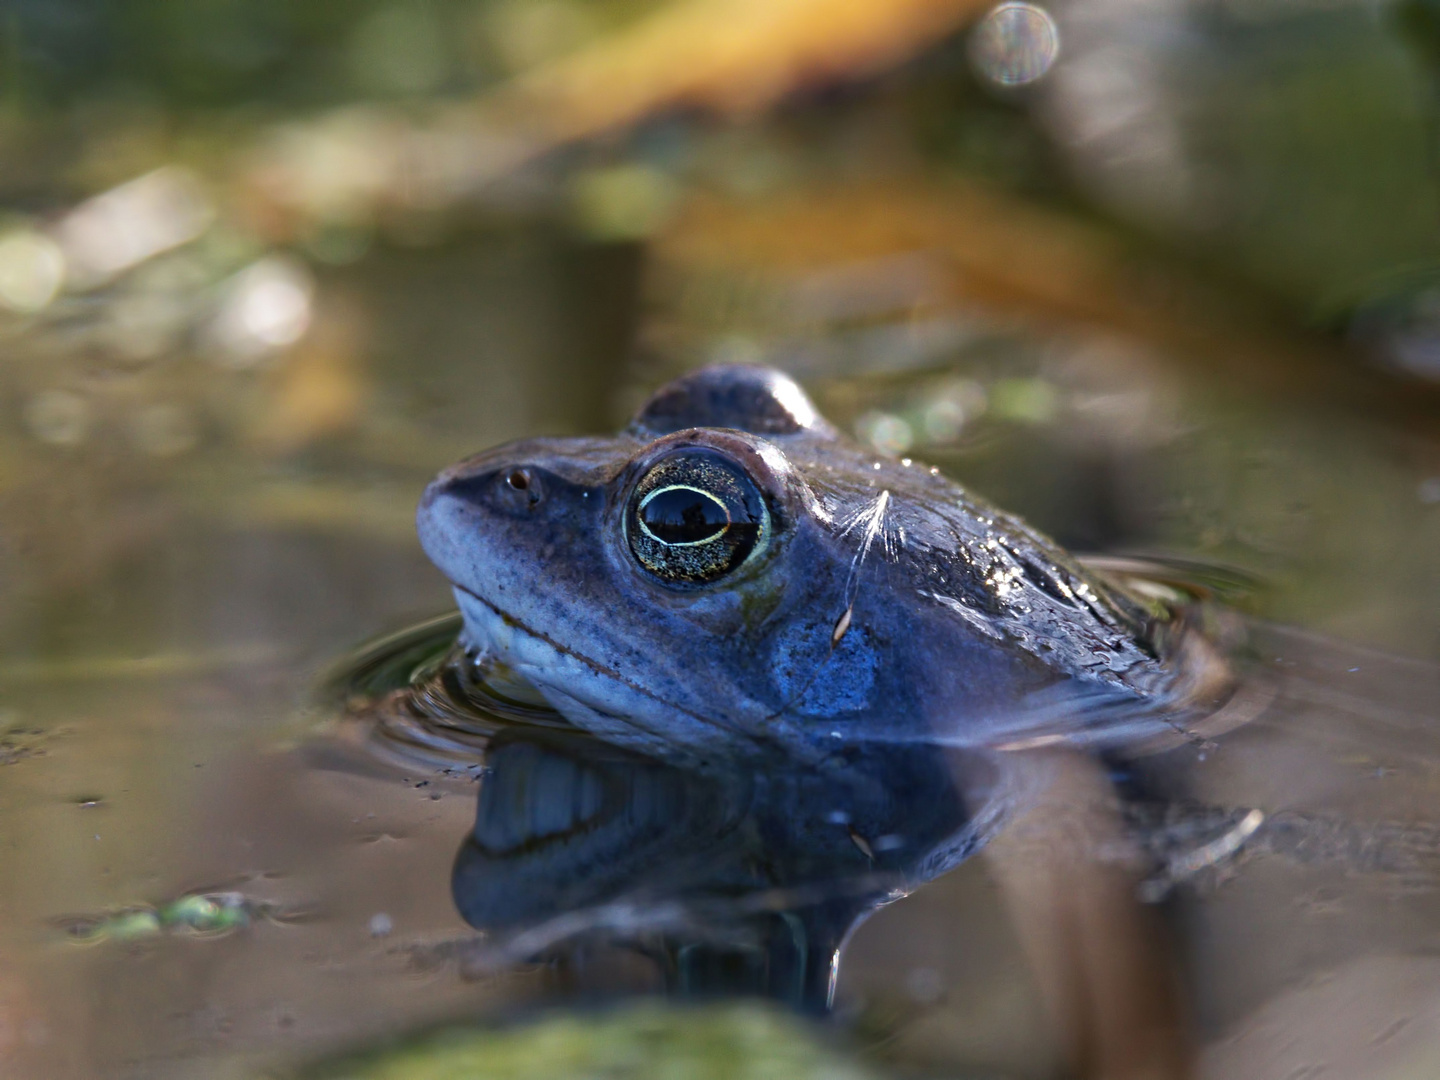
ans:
(730, 573)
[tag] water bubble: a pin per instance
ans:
(885, 432)
(1015, 44)
(32, 268)
(58, 417)
(381, 924)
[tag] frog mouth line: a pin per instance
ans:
(603, 671)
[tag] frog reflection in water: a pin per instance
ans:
(799, 659)
(733, 880)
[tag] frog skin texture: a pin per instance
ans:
(830, 597)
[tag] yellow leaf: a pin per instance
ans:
(737, 56)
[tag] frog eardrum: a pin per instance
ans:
(694, 517)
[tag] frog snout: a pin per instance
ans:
(505, 513)
(494, 482)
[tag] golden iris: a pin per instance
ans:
(694, 517)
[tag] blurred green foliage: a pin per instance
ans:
(1316, 136)
(192, 52)
(181, 54)
(645, 1042)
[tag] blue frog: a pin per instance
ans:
(732, 575)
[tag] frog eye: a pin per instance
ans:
(694, 517)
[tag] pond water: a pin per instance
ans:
(210, 872)
(249, 820)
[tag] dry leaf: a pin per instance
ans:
(737, 56)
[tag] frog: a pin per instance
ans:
(731, 575)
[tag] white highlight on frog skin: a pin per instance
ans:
(640, 517)
(974, 618)
(1004, 578)
(793, 400)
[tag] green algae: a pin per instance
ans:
(741, 1041)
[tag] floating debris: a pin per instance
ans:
(19, 743)
(202, 914)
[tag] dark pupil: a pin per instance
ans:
(683, 516)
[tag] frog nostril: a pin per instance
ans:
(518, 479)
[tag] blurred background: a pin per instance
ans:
(1161, 275)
